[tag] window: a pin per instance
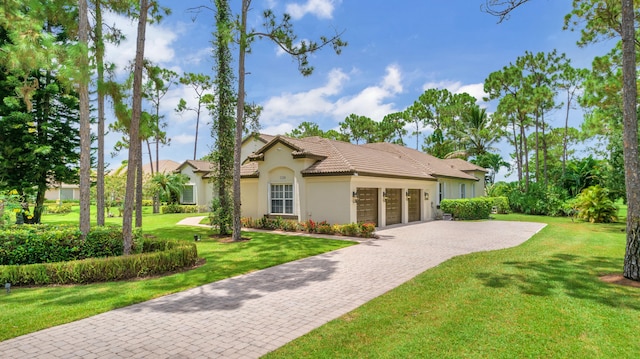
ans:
(66, 193)
(463, 190)
(282, 198)
(440, 192)
(473, 190)
(187, 194)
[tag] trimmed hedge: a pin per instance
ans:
(168, 256)
(20, 244)
(182, 208)
(467, 208)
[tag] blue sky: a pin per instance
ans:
(396, 50)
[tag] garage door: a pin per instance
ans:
(394, 206)
(367, 205)
(414, 205)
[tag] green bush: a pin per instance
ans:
(48, 244)
(59, 209)
(182, 208)
(593, 205)
(467, 208)
(167, 256)
(501, 204)
(538, 199)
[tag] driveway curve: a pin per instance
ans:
(250, 315)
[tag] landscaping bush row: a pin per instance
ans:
(468, 208)
(174, 255)
(352, 229)
(501, 204)
(181, 208)
(59, 208)
(46, 244)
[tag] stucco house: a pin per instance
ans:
(199, 189)
(321, 179)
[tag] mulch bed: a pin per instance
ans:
(619, 280)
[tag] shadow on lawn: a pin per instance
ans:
(572, 275)
(233, 292)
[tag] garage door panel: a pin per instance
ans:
(393, 206)
(367, 208)
(414, 205)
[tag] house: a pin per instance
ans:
(63, 192)
(199, 188)
(322, 179)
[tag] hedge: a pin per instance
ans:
(21, 244)
(171, 256)
(467, 208)
(181, 208)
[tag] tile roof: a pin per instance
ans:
(165, 166)
(197, 165)
(375, 159)
(463, 165)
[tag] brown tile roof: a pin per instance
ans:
(165, 166)
(197, 165)
(463, 165)
(376, 159)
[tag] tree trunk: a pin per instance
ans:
(101, 95)
(566, 135)
(195, 142)
(517, 151)
(525, 152)
(134, 130)
(85, 125)
(537, 153)
(237, 212)
(630, 142)
(139, 187)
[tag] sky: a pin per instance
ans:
(396, 50)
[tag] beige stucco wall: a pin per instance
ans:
(452, 188)
(249, 198)
(329, 199)
(202, 188)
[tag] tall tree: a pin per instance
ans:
(85, 121)
(282, 34)
(134, 129)
(609, 19)
(570, 80)
(306, 129)
(359, 128)
(225, 122)
(392, 127)
(201, 85)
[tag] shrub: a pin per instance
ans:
(501, 204)
(182, 208)
(324, 228)
(351, 229)
(540, 200)
(593, 205)
(167, 256)
(467, 208)
(367, 229)
(48, 244)
(59, 209)
(147, 202)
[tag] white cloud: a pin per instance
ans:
(318, 103)
(303, 104)
(183, 139)
(158, 43)
(456, 87)
(279, 129)
(371, 101)
(323, 9)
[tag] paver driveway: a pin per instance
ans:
(250, 315)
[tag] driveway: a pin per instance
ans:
(250, 315)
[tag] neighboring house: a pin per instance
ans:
(63, 191)
(321, 179)
(163, 166)
(199, 188)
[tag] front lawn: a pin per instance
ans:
(540, 299)
(27, 310)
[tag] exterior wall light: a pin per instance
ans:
(408, 195)
(354, 196)
(384, 196)
(426, 195)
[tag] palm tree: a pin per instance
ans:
(170, 185)
(477, 132)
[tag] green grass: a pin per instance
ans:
(27, 310)
(540, 299)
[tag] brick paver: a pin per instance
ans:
(250, 315)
